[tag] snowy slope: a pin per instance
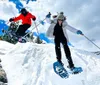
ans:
(5, 47)
(31, 64)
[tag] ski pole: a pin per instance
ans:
(7, 22)
(91, 42)
(38, 38)
(36, 28)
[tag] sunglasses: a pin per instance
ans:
(60, 20)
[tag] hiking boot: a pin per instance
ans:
(76, 70)
(61, 63)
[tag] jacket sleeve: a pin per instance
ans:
(48, 20)
(51, 21)
(32, 16)
(72, 29)
(17, 18)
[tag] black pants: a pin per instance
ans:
(63, 40)
(21, 30)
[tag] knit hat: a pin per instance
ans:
(24, 11)
(61, 16)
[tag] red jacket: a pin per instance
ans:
(25, 19)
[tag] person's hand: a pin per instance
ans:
(3, 30)
(48, 15)
(54, 16)
(79, 32)
(11, 19)
(33, 19)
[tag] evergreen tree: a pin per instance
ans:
(10, 34)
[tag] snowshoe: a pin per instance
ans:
(60, 70)
(76, 70)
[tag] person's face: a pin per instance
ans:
(60, 22)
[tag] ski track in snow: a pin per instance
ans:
(34, 66)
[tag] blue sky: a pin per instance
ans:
(81, 14)
(3, 25)
(18, 4)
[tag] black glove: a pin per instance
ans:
(3, 30)
(11, 19)
(33, 19)
(54, 16)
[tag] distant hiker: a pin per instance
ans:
(57, 30)
(26, 17)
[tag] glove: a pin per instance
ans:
(54, 16)
(48, 15)
(3, 30)
(11, 19)
(33, 19)
(79, 32)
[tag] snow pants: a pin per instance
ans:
(21, 30)
(63, 40)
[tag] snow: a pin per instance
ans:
(5, 47)
(32, 64)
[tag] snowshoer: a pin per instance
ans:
(26, 17)
(57, 30)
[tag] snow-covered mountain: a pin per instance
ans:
(32, 64)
